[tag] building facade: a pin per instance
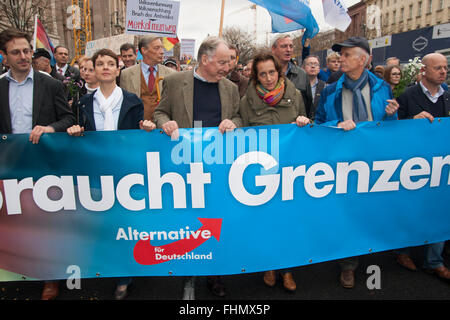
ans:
(107, 18)
(397, 16)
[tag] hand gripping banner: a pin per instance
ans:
(132, 203)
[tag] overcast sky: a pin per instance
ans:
(198, 18)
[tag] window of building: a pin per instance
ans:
(430, 6)
(393, 16)
(386, 22)
(410, 11)
(419, 8)
(402, 14)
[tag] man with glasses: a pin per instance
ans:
(311, 65)
(427, 100)
(32, 102)
(283, 50)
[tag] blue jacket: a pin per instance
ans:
(131, 112)
(329, 110)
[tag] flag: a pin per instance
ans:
(169, 43)
(42, 40)
(296, 10)
(335, 13)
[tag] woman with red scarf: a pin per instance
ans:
(272, 99)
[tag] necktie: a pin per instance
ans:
(151, 79)
(60, 71)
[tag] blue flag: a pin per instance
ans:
(282, 11)
(282, 24)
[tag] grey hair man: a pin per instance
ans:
(202, 95)
(143, 79)
(311, 65)
(357, 96)
(283, 50)
(392, 61)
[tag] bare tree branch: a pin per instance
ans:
(19, 14)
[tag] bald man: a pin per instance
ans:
(427, 100)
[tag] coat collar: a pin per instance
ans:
(87, 107)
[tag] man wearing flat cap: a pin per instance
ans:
(357, 96)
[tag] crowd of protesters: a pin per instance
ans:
(272, 88)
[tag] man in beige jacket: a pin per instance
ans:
(201, 95)
(144, 79)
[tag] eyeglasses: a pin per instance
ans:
(17, 52)
(438, 68)
(396, 74)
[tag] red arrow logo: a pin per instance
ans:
(146, 254)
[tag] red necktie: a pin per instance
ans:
(151, 79)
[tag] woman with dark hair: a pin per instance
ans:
(110, 108)
(392, 75)
(272, 99)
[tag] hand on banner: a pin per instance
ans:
(37, 132)
(75, 131)
(392, 107)
(424, 115)
(171, 129)
(302, 121)
(347, 125)
(226, 125)
(147, 125)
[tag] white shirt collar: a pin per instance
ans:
(427, 92)
(29, 76)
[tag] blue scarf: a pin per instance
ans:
(359, 105)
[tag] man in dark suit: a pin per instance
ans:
(62, 67)
(311, 65)
(31, 101)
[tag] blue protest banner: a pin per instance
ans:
(132, 203)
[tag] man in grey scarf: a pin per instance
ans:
(356, 97)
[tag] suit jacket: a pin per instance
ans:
(177, 100)
(131, 112)
(130, 78)
(50, 107)
(320, 85)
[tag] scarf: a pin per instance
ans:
(107, 106)
(359, 105)
(272, 98)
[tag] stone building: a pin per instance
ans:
(397, 16)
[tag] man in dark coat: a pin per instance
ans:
(32, 102)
